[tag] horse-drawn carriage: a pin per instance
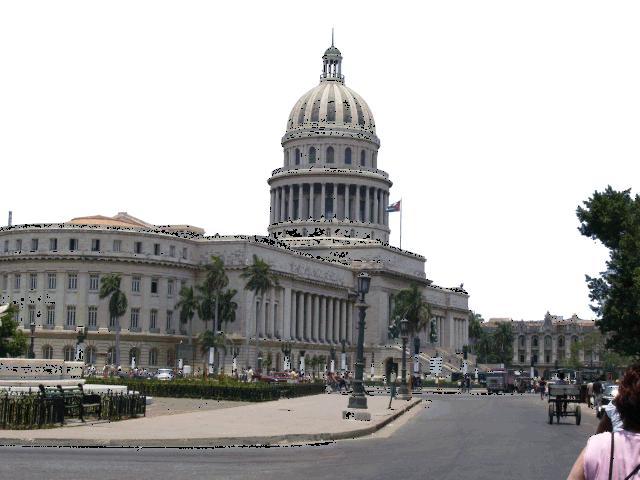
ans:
(560, 397)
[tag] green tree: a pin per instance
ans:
(210, 291)
(110, 287)
(228, 307)
(259, 277)
(410, 304)
(188, 305)
(502, 343)
(573, 361)
(13, 342)
(613, 218)
(209, 339)
(484, 348)
(475, 329)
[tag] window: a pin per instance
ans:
(286, 158)
(135, 284)
(117, 245)
(94, 282)
(111, 356)
(363, 158)
(169, 320)
(51, 314)
(138, 247)
(113, 322)
(171, 358)
(330, 155)
(534, 342)
(154, 286)
(547, 342)
(72, 284)
(32, 314)
(51, 281)
(184, 253)
(169, 288)
(183, 283)
(18, 245)
(172, 251)
(521, 339)
(347, 156)
(275, 320)
(53, 244)
(312, 155)
(5, 282)
(92, 317)
(47, 351)
(73, 244)
(34, 244)
(69, 353)
(95, 245)
(297, 156)
(17, 281)
(6, 246)
(153, 357)
(153, 319)
(33, 281)
(71, 315)
(156, 249)
(134, 356)
(521, 358)
(560, 342)
(135, 317)
(90, 355)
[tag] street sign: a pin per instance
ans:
(435, 365)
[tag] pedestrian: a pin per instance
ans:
(543, 384)
(250, 374)
(590, 394)
(597, 391)
(596, 461)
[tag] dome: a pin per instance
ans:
(331, 108)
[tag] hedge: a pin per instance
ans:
(215, 390)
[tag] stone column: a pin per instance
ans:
(335, 200)
(316, 319)
(375, 205)
(294, 314)
(286, 314)
(343, 320)
(357, 209)
(311, 205)
(347, 213)
(272, 206)
(323, 319)
(300, 317)
(263, 315)
(290, 213)
(381, 207)
(282, 206)
(301, 201)
(330, 318)
(385, 203)
(367, 206)
(307, 318)
(323, 200)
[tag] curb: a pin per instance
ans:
(215, 442)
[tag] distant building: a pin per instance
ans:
(546, 341)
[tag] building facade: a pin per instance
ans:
(327, 224)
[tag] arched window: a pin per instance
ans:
(111, 356)
(171, 358)
(547, 342)
(347, 156)
(47, 351)
(374, 161)
(69, 353)
(153, 357)
(363, 158)
(134, 353)
(521, 340)
(286, 158)
(330, 155)
(312, 155)
(297, 156)
(534, 342)
(90, 355)
(560, 342)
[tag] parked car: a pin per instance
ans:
(164, 374)
(278, 377)
(609, 393)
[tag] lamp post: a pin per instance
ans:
(259, 366)
(403, 391)
(343, 356)
(416, 353)
(332, 352)
(358, 398)
(286, 352)
(302, 352)
(32, 327)
(235, 351)
(81, 335)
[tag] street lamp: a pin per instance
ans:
(358, 398)
(32, 327)
(81, 335)
(286, 352)
(332, 352)
(403, 391)
(235, 351)
(416, 353)
(343, 356)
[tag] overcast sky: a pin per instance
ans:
(497, 119)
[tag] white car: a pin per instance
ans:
(610, 392)
(164, 374)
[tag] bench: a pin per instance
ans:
(73, 400)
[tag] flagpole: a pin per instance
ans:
(401, 208)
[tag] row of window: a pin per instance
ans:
(547, 341)
(94, 282)
(92, 318)
(313, 156)
(96, 246)
(91, 355)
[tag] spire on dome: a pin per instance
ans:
(332, 64)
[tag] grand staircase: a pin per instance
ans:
(451, 361)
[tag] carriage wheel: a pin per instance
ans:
(578, 415)
(550, 413)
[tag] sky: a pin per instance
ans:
(497, 120)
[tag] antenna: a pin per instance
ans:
(10, 217)
(332, 36)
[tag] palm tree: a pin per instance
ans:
(228, 307)
(188, 305)
(260, 279)
(209, 339)
(410, 304)
(503, 342)
(110, 287)
(211, 289)
(475, 328)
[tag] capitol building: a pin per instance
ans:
(328, 222)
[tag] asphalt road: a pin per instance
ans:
(451, 437)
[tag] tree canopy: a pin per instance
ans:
(613, 218)
(259, 276)
(13, 342)
(410, 304)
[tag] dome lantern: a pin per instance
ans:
(332, 64)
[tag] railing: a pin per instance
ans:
(344, 169)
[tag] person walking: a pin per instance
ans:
(597, 391)
(543, 384)
(596, 461)
(590, 394)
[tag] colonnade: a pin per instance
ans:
(302, 201)
(320, 318)
(460, 334)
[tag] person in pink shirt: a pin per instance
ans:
(615, 455)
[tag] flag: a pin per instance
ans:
(394, 207)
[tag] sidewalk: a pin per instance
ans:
(310, 419)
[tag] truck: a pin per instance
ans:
(500, 381)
